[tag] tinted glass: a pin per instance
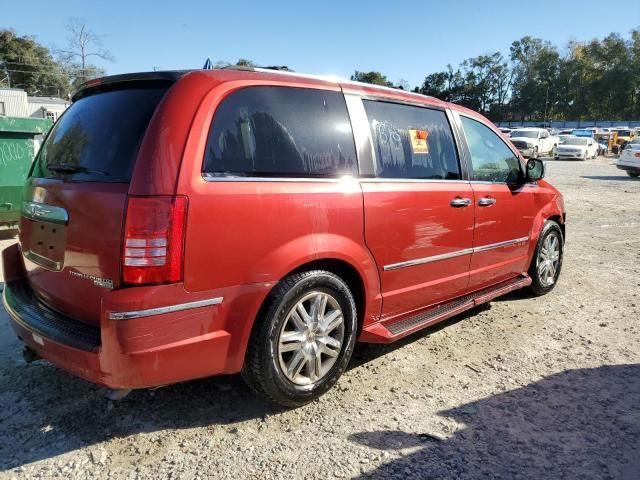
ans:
(524, 133)
(279, 131)
(97, 138)
(491, 159)
(412, 142)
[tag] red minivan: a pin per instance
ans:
(177, 225)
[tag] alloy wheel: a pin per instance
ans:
(311, 338)
(549, 259)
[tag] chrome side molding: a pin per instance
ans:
(45, 213)
(457, 253)
(434, 258)
(161, 310)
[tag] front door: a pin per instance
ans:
(504, 207)
(418, 209)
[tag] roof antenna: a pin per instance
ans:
(208, 64)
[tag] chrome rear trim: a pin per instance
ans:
(161, 310)
(45, 213)
(457, 253)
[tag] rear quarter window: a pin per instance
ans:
(98, 137)
(281, 132)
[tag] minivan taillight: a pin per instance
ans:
(154, 239)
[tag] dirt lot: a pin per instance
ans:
(544, 388)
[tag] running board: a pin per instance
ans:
(389, 331)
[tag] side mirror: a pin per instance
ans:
(535, 170)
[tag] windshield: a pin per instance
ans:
(624, 133)
(575, 141)
(98, 137)
(524, 133)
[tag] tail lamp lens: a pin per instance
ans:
(154, 239)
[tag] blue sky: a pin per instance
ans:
(333, 37)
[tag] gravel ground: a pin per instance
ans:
(525, 388)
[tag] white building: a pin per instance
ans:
(15, 103)
(46, 107)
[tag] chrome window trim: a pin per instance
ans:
(457, 253)
(410, 180)
(45, 213)
(162, 310)
(210, 178)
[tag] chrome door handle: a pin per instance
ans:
(486, 201)
(460, 202)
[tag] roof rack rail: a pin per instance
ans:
(326, 78)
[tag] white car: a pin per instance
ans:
(577, 147)
(533, 142)
(630, 159)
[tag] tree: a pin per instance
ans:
(375, 78)
(242, 62)
(26, 64)
(535, 64)
(82, 45)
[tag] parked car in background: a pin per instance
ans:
(260, 222)
(562, 137)
(506, 131)
(629, 159)
(579, 148)
(533, 142)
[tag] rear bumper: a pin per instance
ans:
(206, 335)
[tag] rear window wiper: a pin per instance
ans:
(68, 168)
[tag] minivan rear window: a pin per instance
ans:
(98, 137)
(281, 132)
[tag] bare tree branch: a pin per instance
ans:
(82, 44)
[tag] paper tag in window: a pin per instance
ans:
(419, 141)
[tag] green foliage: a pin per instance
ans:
(375, 78)
(28, 65)
(597, 79)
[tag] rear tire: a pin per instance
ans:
(547, 259)
(303, 341)
(633, 174)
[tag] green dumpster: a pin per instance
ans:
(16, 155)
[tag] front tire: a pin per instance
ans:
(547, 260)
(304, 340)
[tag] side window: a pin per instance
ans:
(412, 142)
(281, 132)
(491, 159)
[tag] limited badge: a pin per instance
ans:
(419, 141)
